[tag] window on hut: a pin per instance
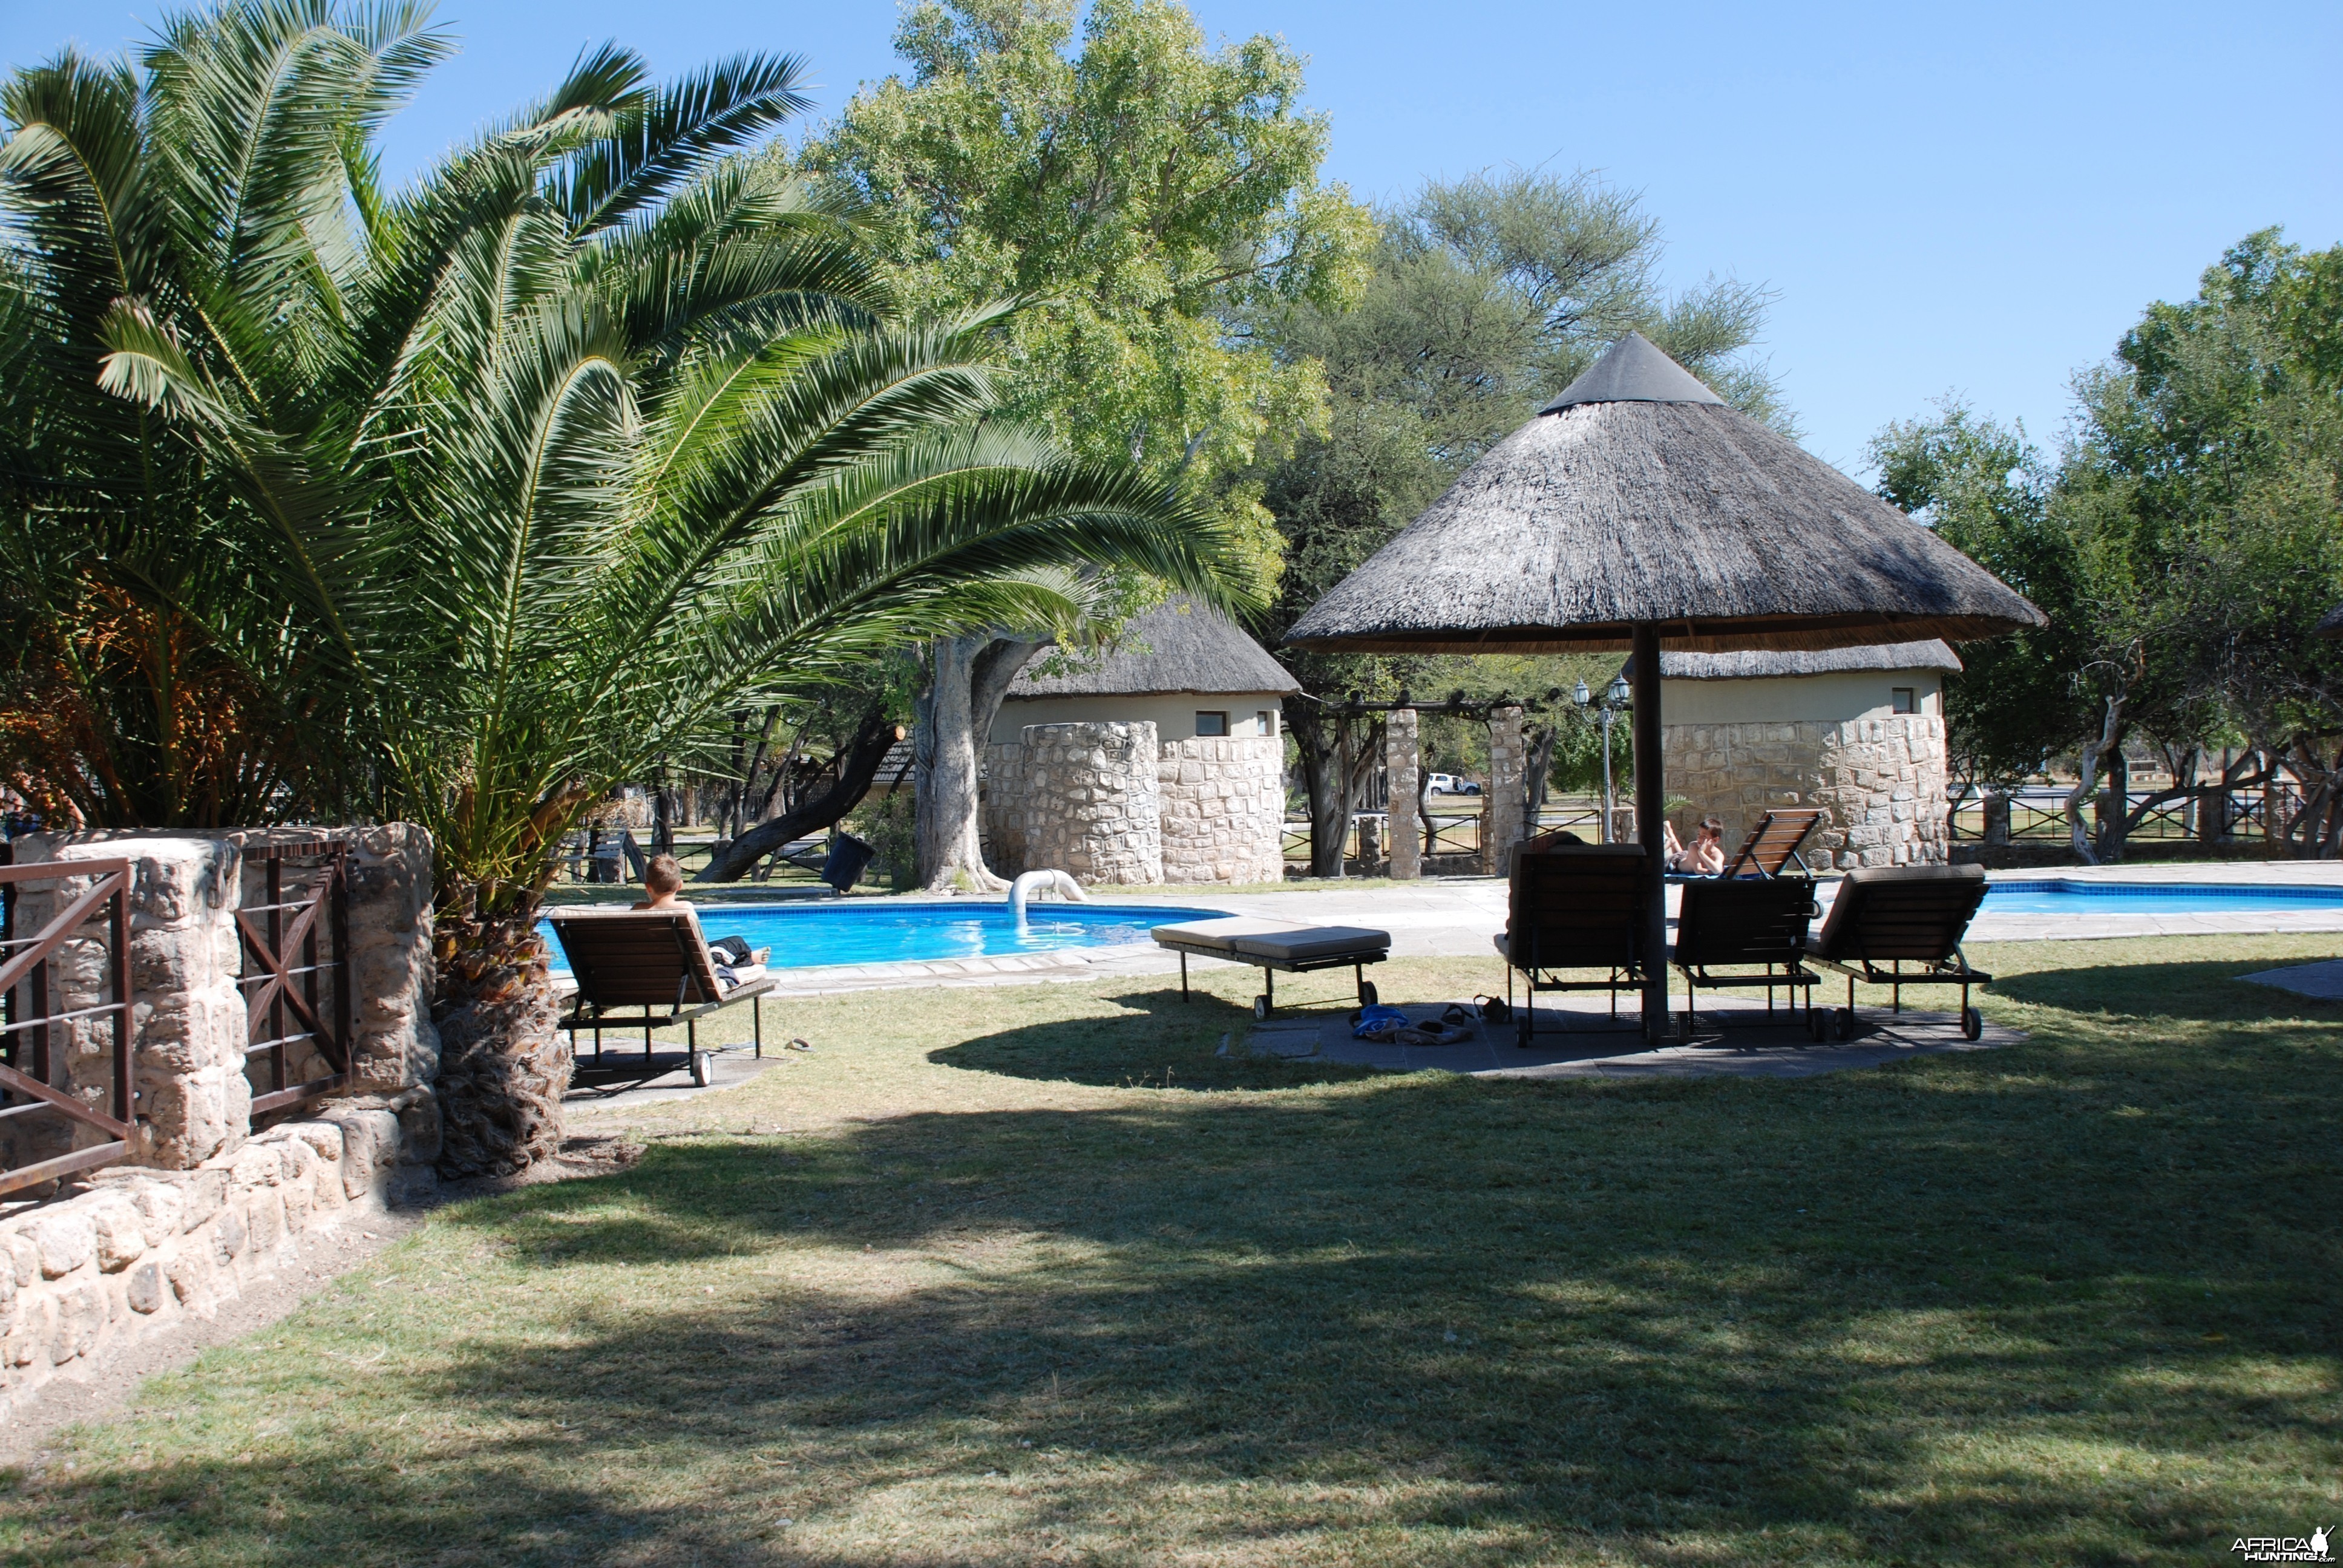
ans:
(1901, 700)
(1211, 724)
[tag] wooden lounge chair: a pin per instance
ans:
(655, 963)
(1885, 919)
(1775, 842)
(1272, 945)
(1574, 907)
(1725, 929)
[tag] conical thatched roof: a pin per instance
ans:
(1764, 665)
(2331, 623)
(1178, 646)
(1643, 498)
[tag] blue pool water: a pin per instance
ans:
(2060, 897)
(804, 936)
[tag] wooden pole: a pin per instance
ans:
(1651, 802)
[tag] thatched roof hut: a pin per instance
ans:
(1638, 496)
(2331, 623)
(1179, 647)
(1932, 653)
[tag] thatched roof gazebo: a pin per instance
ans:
(1636, 509)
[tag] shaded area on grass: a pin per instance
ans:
(1155, 1040)
(2072, 1301)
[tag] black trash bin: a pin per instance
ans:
(847, 857)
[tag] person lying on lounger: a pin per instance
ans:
(663, 880)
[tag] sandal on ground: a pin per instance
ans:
(1456, 1013)
(1494, 1008)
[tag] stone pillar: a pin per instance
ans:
(1997, 819)
(187, 1066)
(1404, 761)
(394, 1046)
(1092, 802)
(1501, 812)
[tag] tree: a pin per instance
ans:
(550, 463)
(1153, 196)
(2182, 546)
(1487, 295)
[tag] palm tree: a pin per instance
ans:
(534, 471)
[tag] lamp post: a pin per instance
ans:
(1609, 705)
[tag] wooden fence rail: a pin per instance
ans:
(28, 984)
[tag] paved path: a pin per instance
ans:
(2324, 981)
(1457, 917)
(1577, 1040)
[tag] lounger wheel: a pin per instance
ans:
(1843, 1023)
(1522, 1031)
(703, 1071)
(1260, 1007)
(1366, 993)
(1972, 1024)
(1818, 1025)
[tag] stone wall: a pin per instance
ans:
(1111, 803)
(191, 1101)
(85, 1277)
(1084, 798)
(1223, 806)
(193, 1083)
(1881, 782)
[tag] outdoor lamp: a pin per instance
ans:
(1618, 692)
(1580, 696)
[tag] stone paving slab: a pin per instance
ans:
(1581, 1041)
(2323, 981)
(1454, 917)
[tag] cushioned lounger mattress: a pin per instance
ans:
(1221, 935)
(1313, 942)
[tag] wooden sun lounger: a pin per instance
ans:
(1271, 946)
(1735, 926)
(655, 963)
(1775, 842)
(1895, 915)
(1574, 907)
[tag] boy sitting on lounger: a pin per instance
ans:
(663, 880)
(1706, 858)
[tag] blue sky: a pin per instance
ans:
(1968, 198)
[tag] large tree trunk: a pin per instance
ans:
(873, 739)
(967, 678)
(503, 1065)
(1323, 777)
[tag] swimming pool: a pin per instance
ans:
(2061, 896)
(804, 936)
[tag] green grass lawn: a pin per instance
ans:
(1029, 1274)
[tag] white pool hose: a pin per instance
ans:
(1032, 882)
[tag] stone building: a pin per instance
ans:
(1858, 731)
(1162, 762)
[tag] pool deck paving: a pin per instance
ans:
(1457, 917)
